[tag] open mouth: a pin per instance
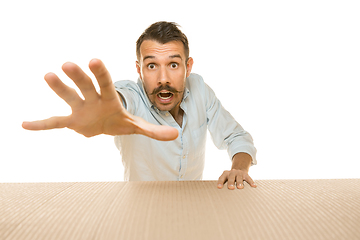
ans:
(165, 95)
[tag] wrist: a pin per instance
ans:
(241, 161)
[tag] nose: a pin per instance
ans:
(163, 77)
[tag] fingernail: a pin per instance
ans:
(219, 185)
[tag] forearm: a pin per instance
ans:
(241, 161)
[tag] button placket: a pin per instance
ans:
(183, 159)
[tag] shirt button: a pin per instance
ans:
(184, 156)
(167, 114)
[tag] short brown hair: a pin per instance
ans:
(163, 32)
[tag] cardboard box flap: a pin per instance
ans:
(276, 209)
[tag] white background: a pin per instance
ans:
(288, 71)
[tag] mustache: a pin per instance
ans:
(165, 87)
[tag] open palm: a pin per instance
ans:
(99, 113)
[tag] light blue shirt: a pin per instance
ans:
(146, 159)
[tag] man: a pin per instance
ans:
(160, 122)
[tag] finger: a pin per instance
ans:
(81, 80)
(103, 77)
(68, 94)
(249, 180)
(46, 124)
(240, 181)
(231, 180)
(222, 179)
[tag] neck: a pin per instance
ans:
(177, 114)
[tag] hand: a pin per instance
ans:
(99, 113)
(235, 175)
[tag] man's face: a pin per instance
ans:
(163, 70)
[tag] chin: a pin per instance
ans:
(167, 107)
(164, 107)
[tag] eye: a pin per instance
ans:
(174, 65)
(151, 66)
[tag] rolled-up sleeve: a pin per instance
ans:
(225, 131)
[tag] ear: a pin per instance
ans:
(189, 65)
(138, 68)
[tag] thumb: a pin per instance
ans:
(161, 133)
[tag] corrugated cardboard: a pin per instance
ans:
(276, 209)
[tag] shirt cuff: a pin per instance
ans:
(249, 149)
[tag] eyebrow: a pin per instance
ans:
(175, 56)
(146, 57)
(172, 56)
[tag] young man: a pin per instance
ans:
(160, 122)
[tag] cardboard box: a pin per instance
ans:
(276, 209)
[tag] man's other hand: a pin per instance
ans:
(235, 175)
(98, 113)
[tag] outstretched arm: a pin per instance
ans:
(99, 113)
